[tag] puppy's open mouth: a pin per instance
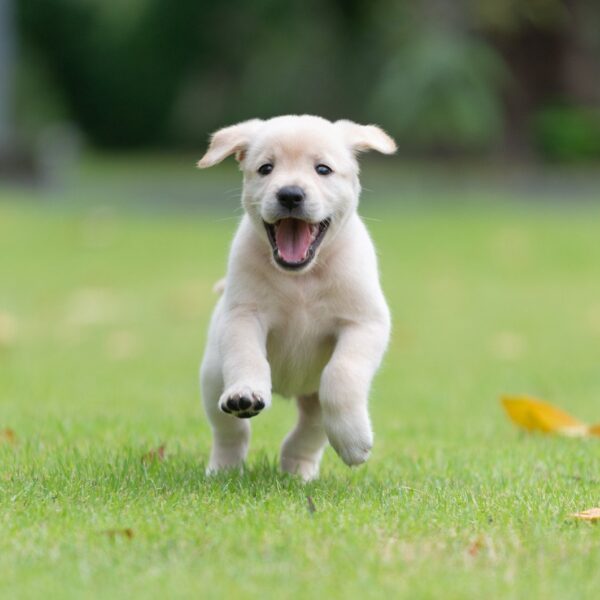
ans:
(295, 241)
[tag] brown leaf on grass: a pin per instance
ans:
(156, 454)
(592, 515)
(482, 545)
(116, 533)
(8, 436)
(474, 547)
(534, 415)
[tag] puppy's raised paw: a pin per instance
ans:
(352, 443)
(243, 402)
(354, 454)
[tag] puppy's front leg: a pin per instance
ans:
(344, 389)
(246, 372)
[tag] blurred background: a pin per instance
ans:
(516, 79)
(487, 223)
(487, 220)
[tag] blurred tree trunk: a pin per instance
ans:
(7, 58)
(553, 62)
(533, 56)
(581, 61)
(16, 162)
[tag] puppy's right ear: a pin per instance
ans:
(228, 141)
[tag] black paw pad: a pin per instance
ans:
(244, 403)
(232, 404)
(243, 407)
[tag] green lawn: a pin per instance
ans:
(103, 313)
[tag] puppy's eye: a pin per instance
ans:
(265, 169)
(322, 169)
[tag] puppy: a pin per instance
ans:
(302, 312)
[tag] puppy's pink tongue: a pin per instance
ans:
(293, 239)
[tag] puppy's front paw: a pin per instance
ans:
(352, 444)
(243, 402)
(354, 454)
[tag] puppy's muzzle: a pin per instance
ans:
(291, 197)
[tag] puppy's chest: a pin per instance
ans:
(299, 344)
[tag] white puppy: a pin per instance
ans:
(302, 313)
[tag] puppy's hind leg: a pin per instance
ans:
(231, 436)
(303, 447)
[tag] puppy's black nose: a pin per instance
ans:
(290, 196)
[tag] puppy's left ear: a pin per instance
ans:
(362, 138)
(229, 140)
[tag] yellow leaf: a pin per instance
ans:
(535, 415)
(592, 514)
(594, 430)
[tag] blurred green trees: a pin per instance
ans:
(118, 66)
(441, 76)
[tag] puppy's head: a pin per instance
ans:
(300, 178)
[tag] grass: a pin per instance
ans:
(103, 313)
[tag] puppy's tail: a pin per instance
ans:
(219, 287)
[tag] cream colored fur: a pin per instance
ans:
(318, 334)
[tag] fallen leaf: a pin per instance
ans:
(592, 515)
(115, 533)
(594, 430)
(475, 547)
(482, 544)
(156, 454)
(534, 415)
(8, 436)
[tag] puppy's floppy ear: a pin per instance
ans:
(362, 138)
(229, 140)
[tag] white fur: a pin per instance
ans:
(318, 334)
